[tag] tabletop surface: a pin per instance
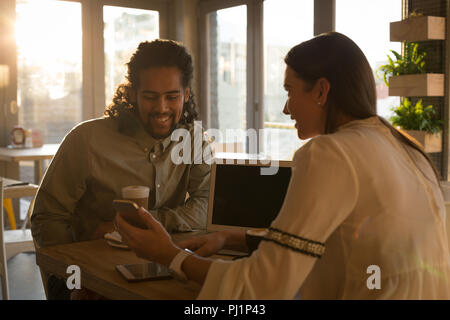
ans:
(28, 190)
(97, 261)
(47, 151)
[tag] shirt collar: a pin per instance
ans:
(147, 141)
(166, 142)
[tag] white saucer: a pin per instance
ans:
(114, 236)
(117, 244)
(114, 239)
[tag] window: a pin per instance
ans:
(242, 49)
(228, 73)
(278, 39)
(273, 27)
(70, 57)
(63, 77)
(124, 29)
(49, 64)
(367, 23)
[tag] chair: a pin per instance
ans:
(12, 242)
(3, 265)
(7, 205)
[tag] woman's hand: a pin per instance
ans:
(153, 244)
(205, 245)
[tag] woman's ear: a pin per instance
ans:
(322, 89)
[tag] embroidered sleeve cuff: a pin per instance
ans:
(293, 242)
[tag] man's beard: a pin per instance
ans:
(149, 129)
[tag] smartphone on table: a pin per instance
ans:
(129, 212)
(144, 271)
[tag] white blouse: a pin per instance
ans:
(358, 194)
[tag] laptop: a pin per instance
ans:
(240, 197)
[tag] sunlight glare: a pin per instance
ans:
(38, 31)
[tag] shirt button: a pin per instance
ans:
(153, 156)
(158, 185)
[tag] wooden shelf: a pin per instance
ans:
(417, 85)
(420, 28)
(430, 142)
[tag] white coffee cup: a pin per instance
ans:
(138, 194)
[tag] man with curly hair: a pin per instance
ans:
(131, 145)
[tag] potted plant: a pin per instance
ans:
(405, 76)
(419, 122)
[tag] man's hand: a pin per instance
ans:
(209, 244)
(102, 229)
(205, 245)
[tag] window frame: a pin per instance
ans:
(324, 21)
(94, 100)
(254, 61)
(93, 60)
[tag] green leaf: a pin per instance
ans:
(411, 63)
(416, 117)
(396, 54)
(391, 63)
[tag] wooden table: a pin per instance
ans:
(38, 155)
(97, 261)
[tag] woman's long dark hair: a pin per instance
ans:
(352, 85)
(157, 53)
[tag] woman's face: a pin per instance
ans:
(306, 107)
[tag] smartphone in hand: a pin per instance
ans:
(128, 210)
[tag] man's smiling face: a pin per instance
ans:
(160, 98)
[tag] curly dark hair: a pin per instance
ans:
(156, 53)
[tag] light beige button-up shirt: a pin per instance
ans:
(92, 165)
(376, 206)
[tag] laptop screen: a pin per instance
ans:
(243, 197)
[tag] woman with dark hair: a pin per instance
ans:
(363, 217)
